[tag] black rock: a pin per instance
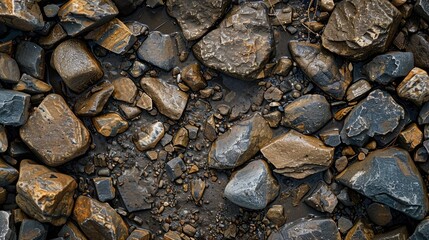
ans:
(160, 50)
(105, 189)
(9, 69)
(130, 185)
(7, 227)
(127, 6)
(400, 233)
(419, 46)
(31, 59)
(308, 229)
(14, 107)
(71, 232)
(175, 168)
(424, 114)
(422, 8)
(387, 67)
(32, 230)
(422, 231)
(8, 174)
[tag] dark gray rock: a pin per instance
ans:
(71, 231)
(32, 230)
(242, 43)
(424, 114)
(14, 107)
(127, 6)
(389, 176)
(331, 137)
(23, 15)
(7, 227)
(253, 186)
(344, 225)
(327, 71)
(131, 185)
(9, 69)
(422, 231)
(400, 233)
(160, 50)
(379, 214)
(322, 198)
(360, 230)
(31, 59)
(419, 46)
(308, 229)
(378, 116)
(105, 189)
(175, 168)
(422, 8)
(387, 67)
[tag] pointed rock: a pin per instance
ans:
(24, 15)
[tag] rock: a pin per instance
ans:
(4, 143)
(400, 233)
(378, 116)
(357, 90)
(23, 15)
(125, 89)
(131, 185)
(92, 101)
(9, 70)
(283, 67)
(139, 234)
(138, 69)
(331, 137)
(76, 65)
(98, 220)
(114, 36)
(253, 186)
(324, 69)
(175, 168)
(171, 235)
(241, 44)
(193, 77)
(422, 8)
(128, 6)
(273, 94)
(410, 137)
(309, 229)
(415, 87)
(31, 59)
(159, 50)
(105, 189)
(56, 35)
(189, 230)
(195, 18)
(327, 5)
(43, 194)
(419, 46)
(283, 17)
(240, 143)
(64, 135)
(341, 163)
(197, 189)
(72, 232)
(138, 28)
(148, 137)
(389, 176)
(31, 85)
(130, 112)
(14, 107)
(51, 10)
(360, 231)
(307, 114)
(421, 231)
(276, 215)
(421, 155)
(32, 230)
(273, 119)
(145, 102)
(7, 227)
(322, 199)
(298, 156)
(169, 99)
(181, 138)
(8, 174)
(344, 225)
(81, 16)
(369, 35)
(387, 67)
(379, 214)
(193, 131)
(424, 114)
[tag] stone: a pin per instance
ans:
(354, 33)
(110, 124)
(327, 5)
(56, 35)
(14, 107)
(415, 87)
(124, 90)
(273, 94)
(298, 193)
(159, 50)
(241, 44)
(193, 77)
(197, 189)
(276, 215)
(424, 114)
(421, 7)
(309, 229)
(283, 17)
(389, 176)
(64, 135)
(189, 230)
(51, 10)
(81, 16)
(23, 15)
(240, 143)
(31, 59)
(419, 45)
(273, 119)
(181, 138)
(92, 102)
(104, 188)
(253, 186)
(131, 185)
(360, 231)
(344, 225)
(130, 112)
(43, 194)
(114, 36)
(341, 163)
(378, 116)
(9, 69)
(139, 234)
(8, 174)
(171, 235)
(400, 233)
(192, 130)
(283, 67)
(307, 114)
(138, 28)
(128, 6)
(76, 65)
(149, 136)
(138, 69)
(31, 85)
(387, 67)
(195, 18)
(145, 102)
(175, 168)
(322, 199)
(7, 227)
(324, 69)
(4, 143)
(379, 214)
(98, 220)
(421, 231)
(358, 90)
(330, 136)
(410, 137)
(421, 155)
(32, 230)
(298, 156)
(169, 99)
(71, 231)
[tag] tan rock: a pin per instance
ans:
(23, 15)
(172, 235)
(193, 77)
(8, 174)
(92, 102)
(415, 87)
(410, 137)
(55, 36)
(125, 90)
(276, 215)
(139, 234)
(145, 102)
(31, 85)
(197, 189)
(110, 124)
(4, 143)
(181, 138)
(148, 137)
(130, 112)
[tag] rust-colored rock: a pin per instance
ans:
(110, 124)
(8, 174)
(24, 14)
(125, 90)
(411, 137)
(93, 101)
(181, 138)
(193, 77)
(149, 136)
(31, 85)
(415, 87)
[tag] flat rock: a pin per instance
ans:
(131, 185)
(422, 231)
(322, 198)
(175, 168)
(298, 156)
(105, 189)
(353, 32)
(32, 230)
(309, 229)
(240, 143)
(31, 59)
(241, 44)
(8, 174)
(357, 90)
(7, 227)
(9, 69)
(127, 6)
(422, 8)
(419, 46)
(328, 72)
(110, 124)
(125, 89)
(253, 186)
(23, 15)
(14, 107)
(149, 136)
(64, 135)
(387, 67)
(389, 176)
(159, 50)
(71, 231)
(31, 85)
(415, 87)
(92, 101)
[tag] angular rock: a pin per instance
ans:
(4, 143)
(197, 189)
(76, 65)
(331, 137)
(379, 214)
(9, 69)
(32, 230)
(72, 232)
(327, 71)
(276, 215)
(422, 8)
(93, 101)
(159, 50)
(7, 227)
(130, 112)
(410, 137)
(105, 189)
(181, 138)
(32, 85)
(360, 231)
(56, 35)
(145, 102)
(322, 199)
(283, 66)
(193, 77)
(240, 143)
(31, 59)
(242, 43)
(137, 28)
(387, 67)
(424, 114)
(138, 69)
(389, 176)
(175, 168)
(8, 174)
(110, 124)
(148, 137)
(419, 46)
(139, 234)
(43, 194)
(309, 229)
(344, 225)
(357, 90)
(298, 156)
(14, 107)
(130, 185)
(273, 94)
(125, 89)
(422, 230)
(353, 32)
(400, 233)
(127, 6)
(24, 15)
(415, 87)
(64, 135)
(169, 99)
(253, 186)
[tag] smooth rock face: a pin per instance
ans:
(422, 230)
(9, 69)
(93, 101)
(125, 90)
(309, 229)
(7, 228)
(354, 32)
(76, 65)
(45, 195)
(387, 67)
(33, 230)
(81, 16)
(253, 186)
(110, 124)
(105, 188)
(328, 72)
(415, 87)
(31, 59)
(419, 46)
(64, 135)
(298, 156)
(389, 176)
(307, 114)
(196, 17)
(378, 115)
(168, 99)
(24, 15)
(240, 143)
(32, 85)
(131, 185)
(160, 50)
(149, 137)
(14, 107)
(8, 174)
(242, 43)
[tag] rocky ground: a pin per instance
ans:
(214, 119)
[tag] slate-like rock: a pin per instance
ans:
(387, 67)
(131, 185)
(322, 199)
(31, 85)
(8, 174)
(71, 231)
(389, 176)
(160, 50)
(328, 72)
(419, 46)
(242, 43)
(127, 6)
(31, 59)
(92, 101)
(422, 8)
(354, 32)
(149, 136)
(415, 87)
(308, 229)
(32, 230)
(253, 186)
(175, 168)
(422, 231)
(24, 15)
(14, 107)
(7, 226)
(9, 69)
(105, 189)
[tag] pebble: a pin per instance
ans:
(322, 198)
(193, 77)
(149, 136)
(276, 215)
(124, 90)
(92, 102)
(31, 85)
(104, 188)
(159, 50)
(51, 10)
(379, 214)
(175, 168)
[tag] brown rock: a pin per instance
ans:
(181, 138)
(410, 137)
(273, 94)
(130, 112)
(23, 15)
(9, 69)
(283, 66)
(145, 102)
(139, 234)
(125, 90)
(210, 129)
(415, 87)
(276, 215)
(31, 85)
(197, 189)
(45, 195)
(93, 101)
(64, 135)
(299, 192)
(4, 143)
(172, 235)
(273, 118)
(72, 232)
(322, 199)
(110, 124)
(8, 174)
(149, 136)
(193, 77)
(360, 231)
(357, 90)
(55, 36)
(189, 230)
(379, 214)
